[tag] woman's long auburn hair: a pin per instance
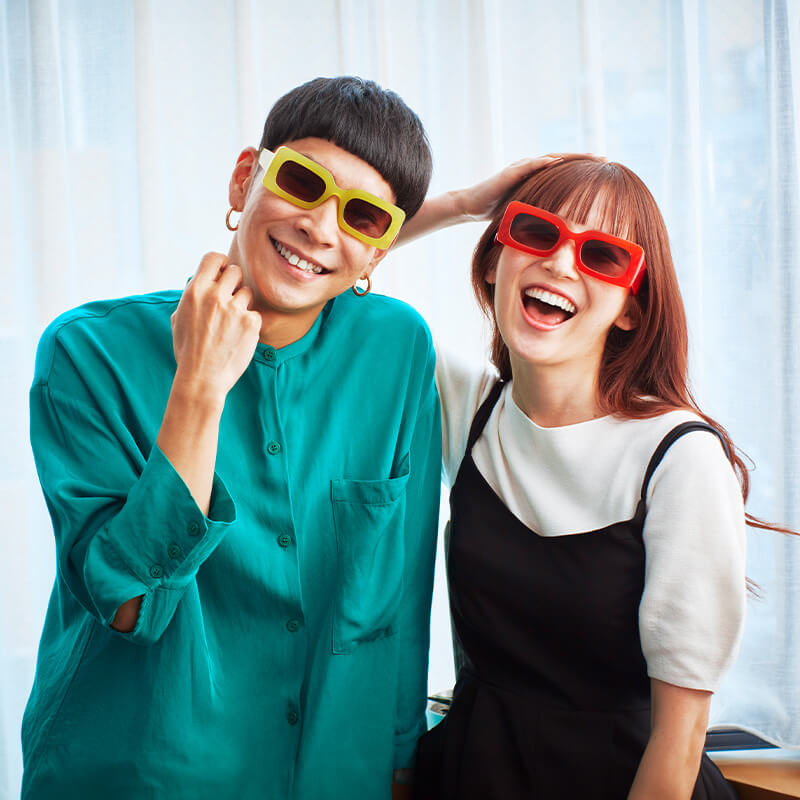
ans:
(644, 371)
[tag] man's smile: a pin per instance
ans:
(297, 260)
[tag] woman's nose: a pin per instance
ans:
(562, 263)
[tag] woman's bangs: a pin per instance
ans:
(576, 189)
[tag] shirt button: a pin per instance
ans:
(156, 571)
(284, 540)
(292, 717)
(193, 528)
(273, 448)
(269, 354)
(174, 551)
(293, 625)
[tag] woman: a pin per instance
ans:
(597, 546)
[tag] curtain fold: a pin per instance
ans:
(762, 691)
(121, 122)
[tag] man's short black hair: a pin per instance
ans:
(364, 119)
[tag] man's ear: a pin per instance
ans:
(631, 315)
(242, 177)
(376, 259)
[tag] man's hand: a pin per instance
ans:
(214, 332)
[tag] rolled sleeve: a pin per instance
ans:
(125, 525)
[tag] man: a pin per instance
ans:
(243, 480)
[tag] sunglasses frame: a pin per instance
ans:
(630, 279)
(272, 162)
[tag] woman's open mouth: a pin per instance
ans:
(547, 308)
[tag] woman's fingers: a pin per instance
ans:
(527, 165)
(480, 201)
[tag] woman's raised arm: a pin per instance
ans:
(473, 204)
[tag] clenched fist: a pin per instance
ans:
(214, 331)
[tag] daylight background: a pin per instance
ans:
(120, 123)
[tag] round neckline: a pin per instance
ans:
(545, 428)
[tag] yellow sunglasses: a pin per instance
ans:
(306, 184)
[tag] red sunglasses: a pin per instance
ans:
(598, 254)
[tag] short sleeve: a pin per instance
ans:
(692, 610)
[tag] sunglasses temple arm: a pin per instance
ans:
(639, 278)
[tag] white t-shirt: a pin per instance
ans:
(577, 478)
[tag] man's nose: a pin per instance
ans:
(321, 223)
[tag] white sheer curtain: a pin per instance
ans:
(120, 123)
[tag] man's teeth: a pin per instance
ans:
(296, 261)
(551, 299)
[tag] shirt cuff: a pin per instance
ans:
(158, 539)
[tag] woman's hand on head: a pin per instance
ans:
(479, 202)
(473, 204)
(214, 330)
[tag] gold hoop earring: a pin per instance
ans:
(228, 221)
(366, 291)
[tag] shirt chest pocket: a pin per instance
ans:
(369, 519)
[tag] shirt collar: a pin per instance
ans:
(273, 357)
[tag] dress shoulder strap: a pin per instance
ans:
(667, 442)
(483, 413)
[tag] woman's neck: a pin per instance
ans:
(556, 395)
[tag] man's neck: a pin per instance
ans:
(279, 329)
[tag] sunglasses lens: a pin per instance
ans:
(605, 258)
(300, 182)
(534, 232)
(367, 218)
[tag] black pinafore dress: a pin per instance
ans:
(552, 701)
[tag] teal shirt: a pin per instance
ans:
(282, 645)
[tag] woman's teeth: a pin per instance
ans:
(296, 261)
(551, 299)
